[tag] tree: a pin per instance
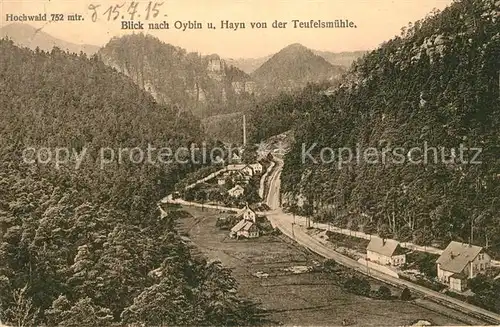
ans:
(384, 231)
(422, 237)
(384, 292)
(479, 284)
(22, 313)
(427, 265)
(405, 234)
(358, 286)
(329, 265)
(82, 313)
(249, 155)
(370, 228)
(406, 294)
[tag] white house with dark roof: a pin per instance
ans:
(257, 167)
(247, 213)
(235, 158)
(248, 171)
(459, 262)
(244, 228)
(385, 252)
(236, 191)
(247, 226)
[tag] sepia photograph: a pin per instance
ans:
(249, 163)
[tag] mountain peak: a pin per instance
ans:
(295, 47)
(294, 66)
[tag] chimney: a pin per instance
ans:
(244, 131)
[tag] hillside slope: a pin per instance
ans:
(435, 86)
(344, 59)
(81, 240)
(25, 35)
(204, 85)
(248, 65)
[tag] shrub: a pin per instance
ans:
(406, 294)
(384, 293)
(357, 286)
(329, 265)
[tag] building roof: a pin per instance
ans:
(242, 211)
(242, 225)
(248, 226)
(236, 188)
(384, 247)
(248, 167)
(457, 256)
(239, 225)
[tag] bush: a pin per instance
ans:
(276, 232)
(329, 265)
(406, 294)
(357, 286)
(384, 293)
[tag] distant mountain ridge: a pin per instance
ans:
(25, 35)
(205, 85)
(345, 58)
(248, 65)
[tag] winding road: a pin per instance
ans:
(285, 223)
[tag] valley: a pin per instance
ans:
(267, 223)
(300, 299)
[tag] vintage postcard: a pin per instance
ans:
(249, 163)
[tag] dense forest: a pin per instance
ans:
(86, 245)
(203, 85)
(437, 83)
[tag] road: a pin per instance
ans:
(301, 221)
(285, 222)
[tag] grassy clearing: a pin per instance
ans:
(299, 299)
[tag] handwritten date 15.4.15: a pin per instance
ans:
(128, 10)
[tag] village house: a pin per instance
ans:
(236, 191)
(257, 168)
(235, 158)
(459, 262)
(221, 181)
(248, 214)
(238, 87)
(248, 171)
(247, 226)
(250, 87)
(385, 252)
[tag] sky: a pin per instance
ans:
(376, 21)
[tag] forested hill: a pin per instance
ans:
(86, 246)
(292, 68)
(436, 83)
(204, 85)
